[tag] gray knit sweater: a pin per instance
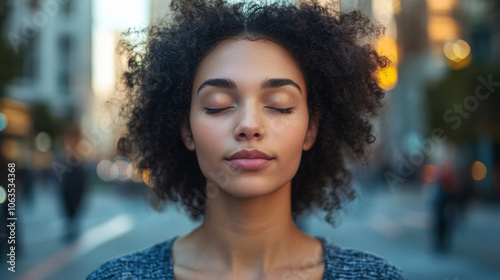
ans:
(156, 263)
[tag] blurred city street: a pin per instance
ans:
(395, 225)
(429, 201)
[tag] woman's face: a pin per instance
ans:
(249, 95)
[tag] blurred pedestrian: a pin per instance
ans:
(465, 192)
(73, 184)
(445, 207)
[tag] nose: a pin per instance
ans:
(249, 123)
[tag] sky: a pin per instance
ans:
(120, 14)
(108, 18)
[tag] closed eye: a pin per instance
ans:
(215, 111)
(211, 111)
(284, 111)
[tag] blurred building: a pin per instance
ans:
(406, 43)
(54, 38)
(434, 39)
(403, 123)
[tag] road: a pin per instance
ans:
(395, 225)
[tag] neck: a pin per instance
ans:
(252, 232)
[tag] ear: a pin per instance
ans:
(187, 136)
(312, 132)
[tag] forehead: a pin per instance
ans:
(248, 62)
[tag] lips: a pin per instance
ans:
(249, 159)
(249, 154)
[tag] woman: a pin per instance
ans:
(243, 113)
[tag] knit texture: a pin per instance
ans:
(156, 263)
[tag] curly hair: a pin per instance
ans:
(340, 71)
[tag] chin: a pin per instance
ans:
(245, 193)
(249, 189)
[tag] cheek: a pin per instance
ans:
(290, 143)
(290, 140)
(206, 141)
(209, 138)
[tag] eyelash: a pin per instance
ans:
(283, 111)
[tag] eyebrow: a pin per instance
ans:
(230, 84)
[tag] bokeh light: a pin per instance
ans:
(146, 177)
(458, 53)
(3, 122)
(124, 167)
(3, 195)
(388, 77)
(43, 141)
(107, 170)
(478, 171)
